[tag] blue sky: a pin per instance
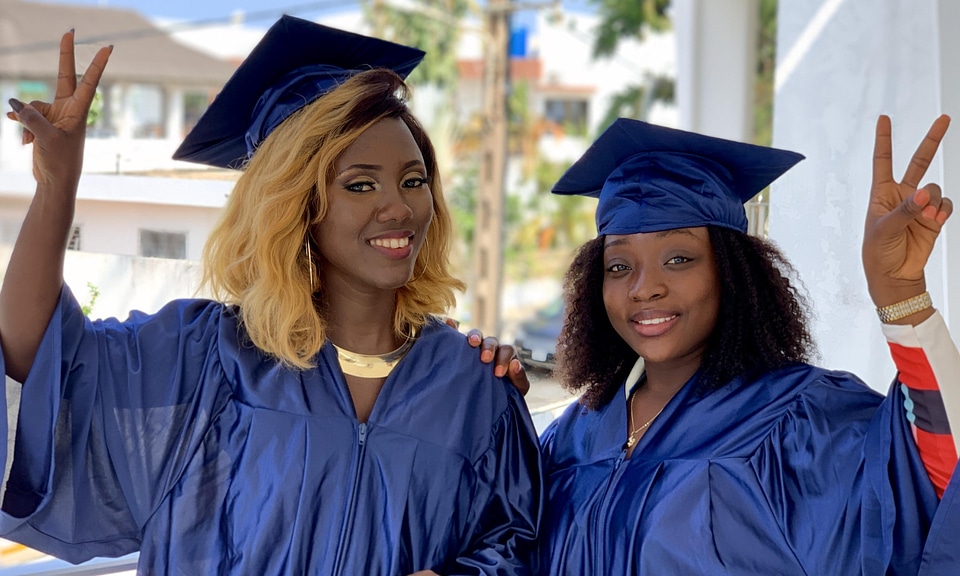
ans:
(264, 10)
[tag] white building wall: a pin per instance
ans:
(111, 210)
(841, 63)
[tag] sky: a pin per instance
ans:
(258, 12)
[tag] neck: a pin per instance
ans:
(666, 378)
(361, 322)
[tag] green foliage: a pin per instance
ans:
(621, 19)
(96, 109)
(432, 26)
(636, 100)
(94, 294)
(461, 195)
(766, 63)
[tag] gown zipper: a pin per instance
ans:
(352, 502)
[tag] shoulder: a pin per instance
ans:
(443, 368)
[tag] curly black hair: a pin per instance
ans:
(761, 324)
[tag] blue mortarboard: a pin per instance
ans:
(295, 62)
(649, 178)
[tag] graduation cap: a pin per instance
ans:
(295, 62)
(649, 178)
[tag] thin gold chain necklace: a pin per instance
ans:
(632, 438)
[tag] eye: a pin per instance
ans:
(361, 186)
(615, 268)
(415, 182)
(677, 260)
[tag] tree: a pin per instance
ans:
(621, 19)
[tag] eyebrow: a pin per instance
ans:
(663, 234)
(378, 167)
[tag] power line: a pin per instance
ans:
(164, 30)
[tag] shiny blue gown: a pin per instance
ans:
(803, 472)
(172, 435)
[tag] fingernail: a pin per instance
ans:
(929, 212)
(515, 366)
(16, 105)
(72, 30)
(941, 218)
(474, 338)
(499, 371)
(110, 47)
(486, 356)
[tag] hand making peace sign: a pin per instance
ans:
(58, 129)
(903, 220)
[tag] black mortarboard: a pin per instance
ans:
(295, 62)
(649, 178)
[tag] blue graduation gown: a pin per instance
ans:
(170, 434)
(804, 471)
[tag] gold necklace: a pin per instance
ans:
(371, 365)
(633, 436)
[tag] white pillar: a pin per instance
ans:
(841, 63)
(947, 19)
(716, 66)
(174, 114)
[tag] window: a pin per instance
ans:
(194, 105)
(145, 103)
(569, 113)
(74, 242)
(154, 244)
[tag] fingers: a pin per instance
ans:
(33, 121)
(455, 324)
(91, 78)
(488, 351)
(932, 205)
(925, 152)
(518, 377)
(474, 338)
(882, 153)
(67, 74)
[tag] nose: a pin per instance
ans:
(394, 205)
(647, 284)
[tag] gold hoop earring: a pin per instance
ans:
(306, 251)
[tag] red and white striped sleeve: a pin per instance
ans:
(928, 363)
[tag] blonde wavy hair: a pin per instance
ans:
(255, 257)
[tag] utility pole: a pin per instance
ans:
(488, 233)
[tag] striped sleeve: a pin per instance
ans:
(928, 363)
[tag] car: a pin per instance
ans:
(536, 340)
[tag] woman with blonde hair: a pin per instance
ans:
(318, 419)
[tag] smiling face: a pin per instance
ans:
(662, 295)
(379, 208)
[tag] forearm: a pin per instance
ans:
(928, 363)
(34, 277)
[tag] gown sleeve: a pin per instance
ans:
(846, 483)
(928, 365)
(508, 502)
(109, 415)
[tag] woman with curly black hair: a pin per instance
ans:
(704, 442)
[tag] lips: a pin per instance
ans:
(394, 245)
(653, 323)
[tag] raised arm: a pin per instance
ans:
(902, 225)
(903, 222)
(34, 275)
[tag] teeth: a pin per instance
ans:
(392, 243)
(655, 321)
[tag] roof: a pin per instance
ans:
(520, 68)
(30, 36)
